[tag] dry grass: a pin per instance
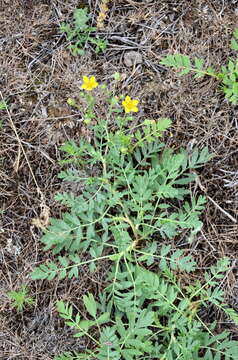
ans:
(37, 75)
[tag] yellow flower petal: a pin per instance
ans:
(130, 105)
(89, 83)
(135, 102)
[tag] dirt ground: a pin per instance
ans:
(38, 74)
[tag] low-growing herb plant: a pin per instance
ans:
(148, 314)
(227, 76)
(134, 196)
(80, 33)
(20, 298)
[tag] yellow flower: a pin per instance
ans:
(89, 83)
(130, 105)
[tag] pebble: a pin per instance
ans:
(132, 58)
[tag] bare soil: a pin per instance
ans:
(38, 74)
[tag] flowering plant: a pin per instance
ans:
(134, 196)
(89, 84)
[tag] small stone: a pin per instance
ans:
(132, 58)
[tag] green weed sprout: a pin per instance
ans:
(80, 33)
(134, 196)
(228, 75)
(20, 298)
(3, 105)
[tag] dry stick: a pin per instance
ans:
(42, 198)
(214, 202)
(22, 149)
(222, 210)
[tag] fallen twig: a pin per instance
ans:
(222, 210)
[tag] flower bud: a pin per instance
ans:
(71, 102)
